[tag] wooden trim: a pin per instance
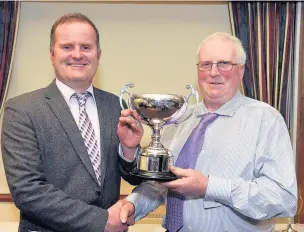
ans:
(6, 198)
(300, 124)
(154, 217)
(135, 1)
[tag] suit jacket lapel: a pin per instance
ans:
(105, 130)
(65, 117)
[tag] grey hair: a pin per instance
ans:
(240, 51)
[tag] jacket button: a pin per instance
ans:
(97, 193)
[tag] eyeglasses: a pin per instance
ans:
(224, 66)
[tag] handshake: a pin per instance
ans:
(121, 216)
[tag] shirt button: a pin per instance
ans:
(190, 227)
(97, 193)
(190, 202)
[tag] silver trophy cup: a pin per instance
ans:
(156, 111)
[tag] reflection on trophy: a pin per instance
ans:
(156, 111)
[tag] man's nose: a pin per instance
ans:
(214, 71)
(77, 54)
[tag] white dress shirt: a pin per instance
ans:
(248, 156)
(91, 107)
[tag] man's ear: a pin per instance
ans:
(52, 54)
(241, 71)
(98, 54)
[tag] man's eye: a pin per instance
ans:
(223, 62)
(67, 47)
(85, 47)
(205, 64)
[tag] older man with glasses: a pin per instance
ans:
(234, 159)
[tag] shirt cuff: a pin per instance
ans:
(134, 199)
(219, 190)
(120, 152)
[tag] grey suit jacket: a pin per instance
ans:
(47, 166)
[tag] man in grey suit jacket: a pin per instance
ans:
(47, 164)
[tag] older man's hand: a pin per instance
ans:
(190, 183)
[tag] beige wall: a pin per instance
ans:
(152, 45)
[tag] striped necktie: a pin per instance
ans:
(88, 134)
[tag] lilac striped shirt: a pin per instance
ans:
(248, 156)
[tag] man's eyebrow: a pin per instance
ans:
(65, 43)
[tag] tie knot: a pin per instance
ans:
(207, 119)
(82, 97)
(209, 116)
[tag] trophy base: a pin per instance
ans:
(157, 176)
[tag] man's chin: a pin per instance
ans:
(79, 77)
(215, 95)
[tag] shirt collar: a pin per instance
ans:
(228, 109)
(67, 91)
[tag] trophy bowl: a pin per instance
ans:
(161, 106)
(156, 111)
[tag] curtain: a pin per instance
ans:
(266, 30)
(9, 18)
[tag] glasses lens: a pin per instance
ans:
(224, 66)
(205, 66)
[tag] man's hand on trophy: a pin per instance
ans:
(129, 130)
(190, 182)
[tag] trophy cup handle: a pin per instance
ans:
(183, 111)
(122, 92)
(193, 92)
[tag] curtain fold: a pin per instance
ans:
(9, 19)
(267, 30)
